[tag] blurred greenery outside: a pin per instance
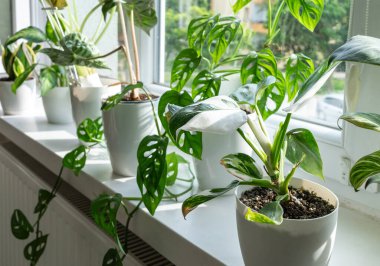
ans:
(330, 33)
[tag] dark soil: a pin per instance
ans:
(143, 97)
(303, 204)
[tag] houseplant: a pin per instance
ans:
(17, 91)
(87, 88)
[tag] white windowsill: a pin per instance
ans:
(208, 236)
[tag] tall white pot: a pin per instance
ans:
(294, 242)
(57, 105)
(210, 173)
(20, 103)
(87, 101)
(125, 126)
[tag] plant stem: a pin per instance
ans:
(89, 14)
(105, 27)
(135, 49)
(130, 216)
(134, 93)
(154, 112)
(258, 151)
(272, 32)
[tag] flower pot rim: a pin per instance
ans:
(136, 102)
(298, 220)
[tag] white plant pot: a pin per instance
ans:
(210, 173)
(57, 105)
(294, 242)
(87, 101)
(20, 103)
(125, 126)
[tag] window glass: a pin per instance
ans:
(5, 22)
(330, 33)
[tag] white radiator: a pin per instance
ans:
(73, 239)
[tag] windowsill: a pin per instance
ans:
(208, 236)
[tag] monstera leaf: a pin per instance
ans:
(198, 30)
(307, 12)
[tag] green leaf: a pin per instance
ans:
(24, 76)
(189, 143)
(194, 201)
(298, 68)
(104, 211)
(152, 170)
(59, 57)
(114, 100)
(364, 120)
(112, 258)
(301, 142)
(271, 213)
(21, 228)
(372, 180)
(198, 30)
(91, 131)
(58, 3)
(31, 34)
(107, 6)
(49, 29)
(239, 4)
(172, 166)
(76, 159)
(52, 77)
(365, 168)
(279, 143)
(44, 198)
(224, 32)
(307, 12)
(205, 85)
(218, 115)
(183, 67)
(144, 13)
(241, 165)
(360, 49)
(34, 250)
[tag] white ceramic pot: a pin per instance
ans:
(20, 103)
(57, 105)
(210, 173)
(87, 101)
(294, 242)
(124, 127)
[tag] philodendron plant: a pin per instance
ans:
(216, 51)
(297, 145)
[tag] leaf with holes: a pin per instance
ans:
(76, 159)
(307, 12)
(301, 142)
(206, 85)
(194, 201)
(198, 30)
(34, 250)
(91, 131)
(112, 258)
(172, 166)
(190, 143)
(298, 68)
(241, 165)
(369, 121)
(114, 100)
(44, 198)
(224, 32)
(104, 211)
(365, 168)
(183, 67)
(21, 228)
(30, 34)
(152, 170)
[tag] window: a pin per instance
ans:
(5, 23)
(330, 33)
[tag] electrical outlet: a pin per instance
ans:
(345, 167)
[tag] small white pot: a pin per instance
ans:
(294, 242)
(57, 105)
(87, 101)
(20, 103)
(125, 126)
(210, 173)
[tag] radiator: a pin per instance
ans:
(73, 238)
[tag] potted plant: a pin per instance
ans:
(55, 94)
(86, 87)
(17, 90)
